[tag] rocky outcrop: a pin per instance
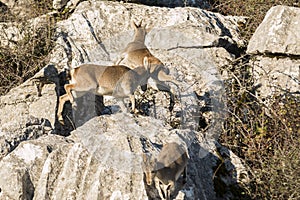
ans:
(277, 34)
(59, 4)
(275, 45)
(101, 159)
(198, 47)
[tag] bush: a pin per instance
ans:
(28, 55)
(255, 10)
(265, 136)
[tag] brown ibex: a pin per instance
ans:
(134, 53)
(118, 81)
(166, 169)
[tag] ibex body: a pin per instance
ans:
(133, 56)
(117, 81)
(135, 51)
(168, 167)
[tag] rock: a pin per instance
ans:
(8, 34)
(276, 75)
(276, 52)
(98, 160)
(199, 44)
(277, 34)
(59, 4)
(66, 4)
(100, 39)
(31, 155)
(11, 135)
(102, 159)
(12, 32)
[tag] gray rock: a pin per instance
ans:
(13, 32)
(275, 45)
(102, 159)
(277, 75)
(100, 39)
(26, 129)
(191, 42)
(278, 33)
(66, 4)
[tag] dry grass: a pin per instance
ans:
(266, 137)
(255, 10)
(26, 56)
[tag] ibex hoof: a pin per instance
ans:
(74, 105)
(61, 120)
(135, 111)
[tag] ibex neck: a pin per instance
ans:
(139, 37)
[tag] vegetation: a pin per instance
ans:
(24, 57)
(255, 10)
(266, 137)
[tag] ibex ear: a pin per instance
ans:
(148, 28)
(146, 63)
(133, 24)
(140, 24)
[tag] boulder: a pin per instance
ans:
(276, 75)
(277, 34)
(276, 53)
(103, 160)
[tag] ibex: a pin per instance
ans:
(118, 81)
(170, 164)
(132, 56)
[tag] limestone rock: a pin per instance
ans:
(25, 129)
(191, 42)
(278, 33)
(12, 32)
(86, 37)
(67, 4)
(102, 159)
(276, 75)
(98, 160)
(275, 45)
